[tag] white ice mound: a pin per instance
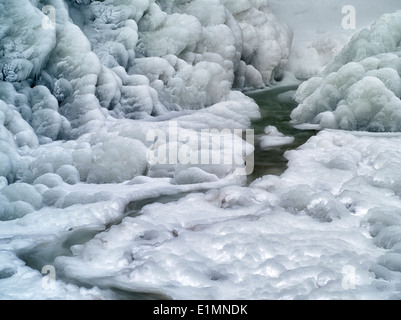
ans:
(274, 138)
(361, 89)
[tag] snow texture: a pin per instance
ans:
(92, 92)
(297, 236)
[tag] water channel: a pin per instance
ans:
(276, 106)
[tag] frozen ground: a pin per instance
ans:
(100, 99)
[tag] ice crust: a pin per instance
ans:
(297, 236)
(78, 192)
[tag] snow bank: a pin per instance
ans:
(359, 171)
(361, 89)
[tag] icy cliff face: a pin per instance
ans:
(361, 89)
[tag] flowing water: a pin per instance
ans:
(276, 106)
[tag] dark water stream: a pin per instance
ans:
(276, 106)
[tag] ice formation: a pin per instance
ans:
(322, 28)
(361, 89)
(274, 138)
(95, 94)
